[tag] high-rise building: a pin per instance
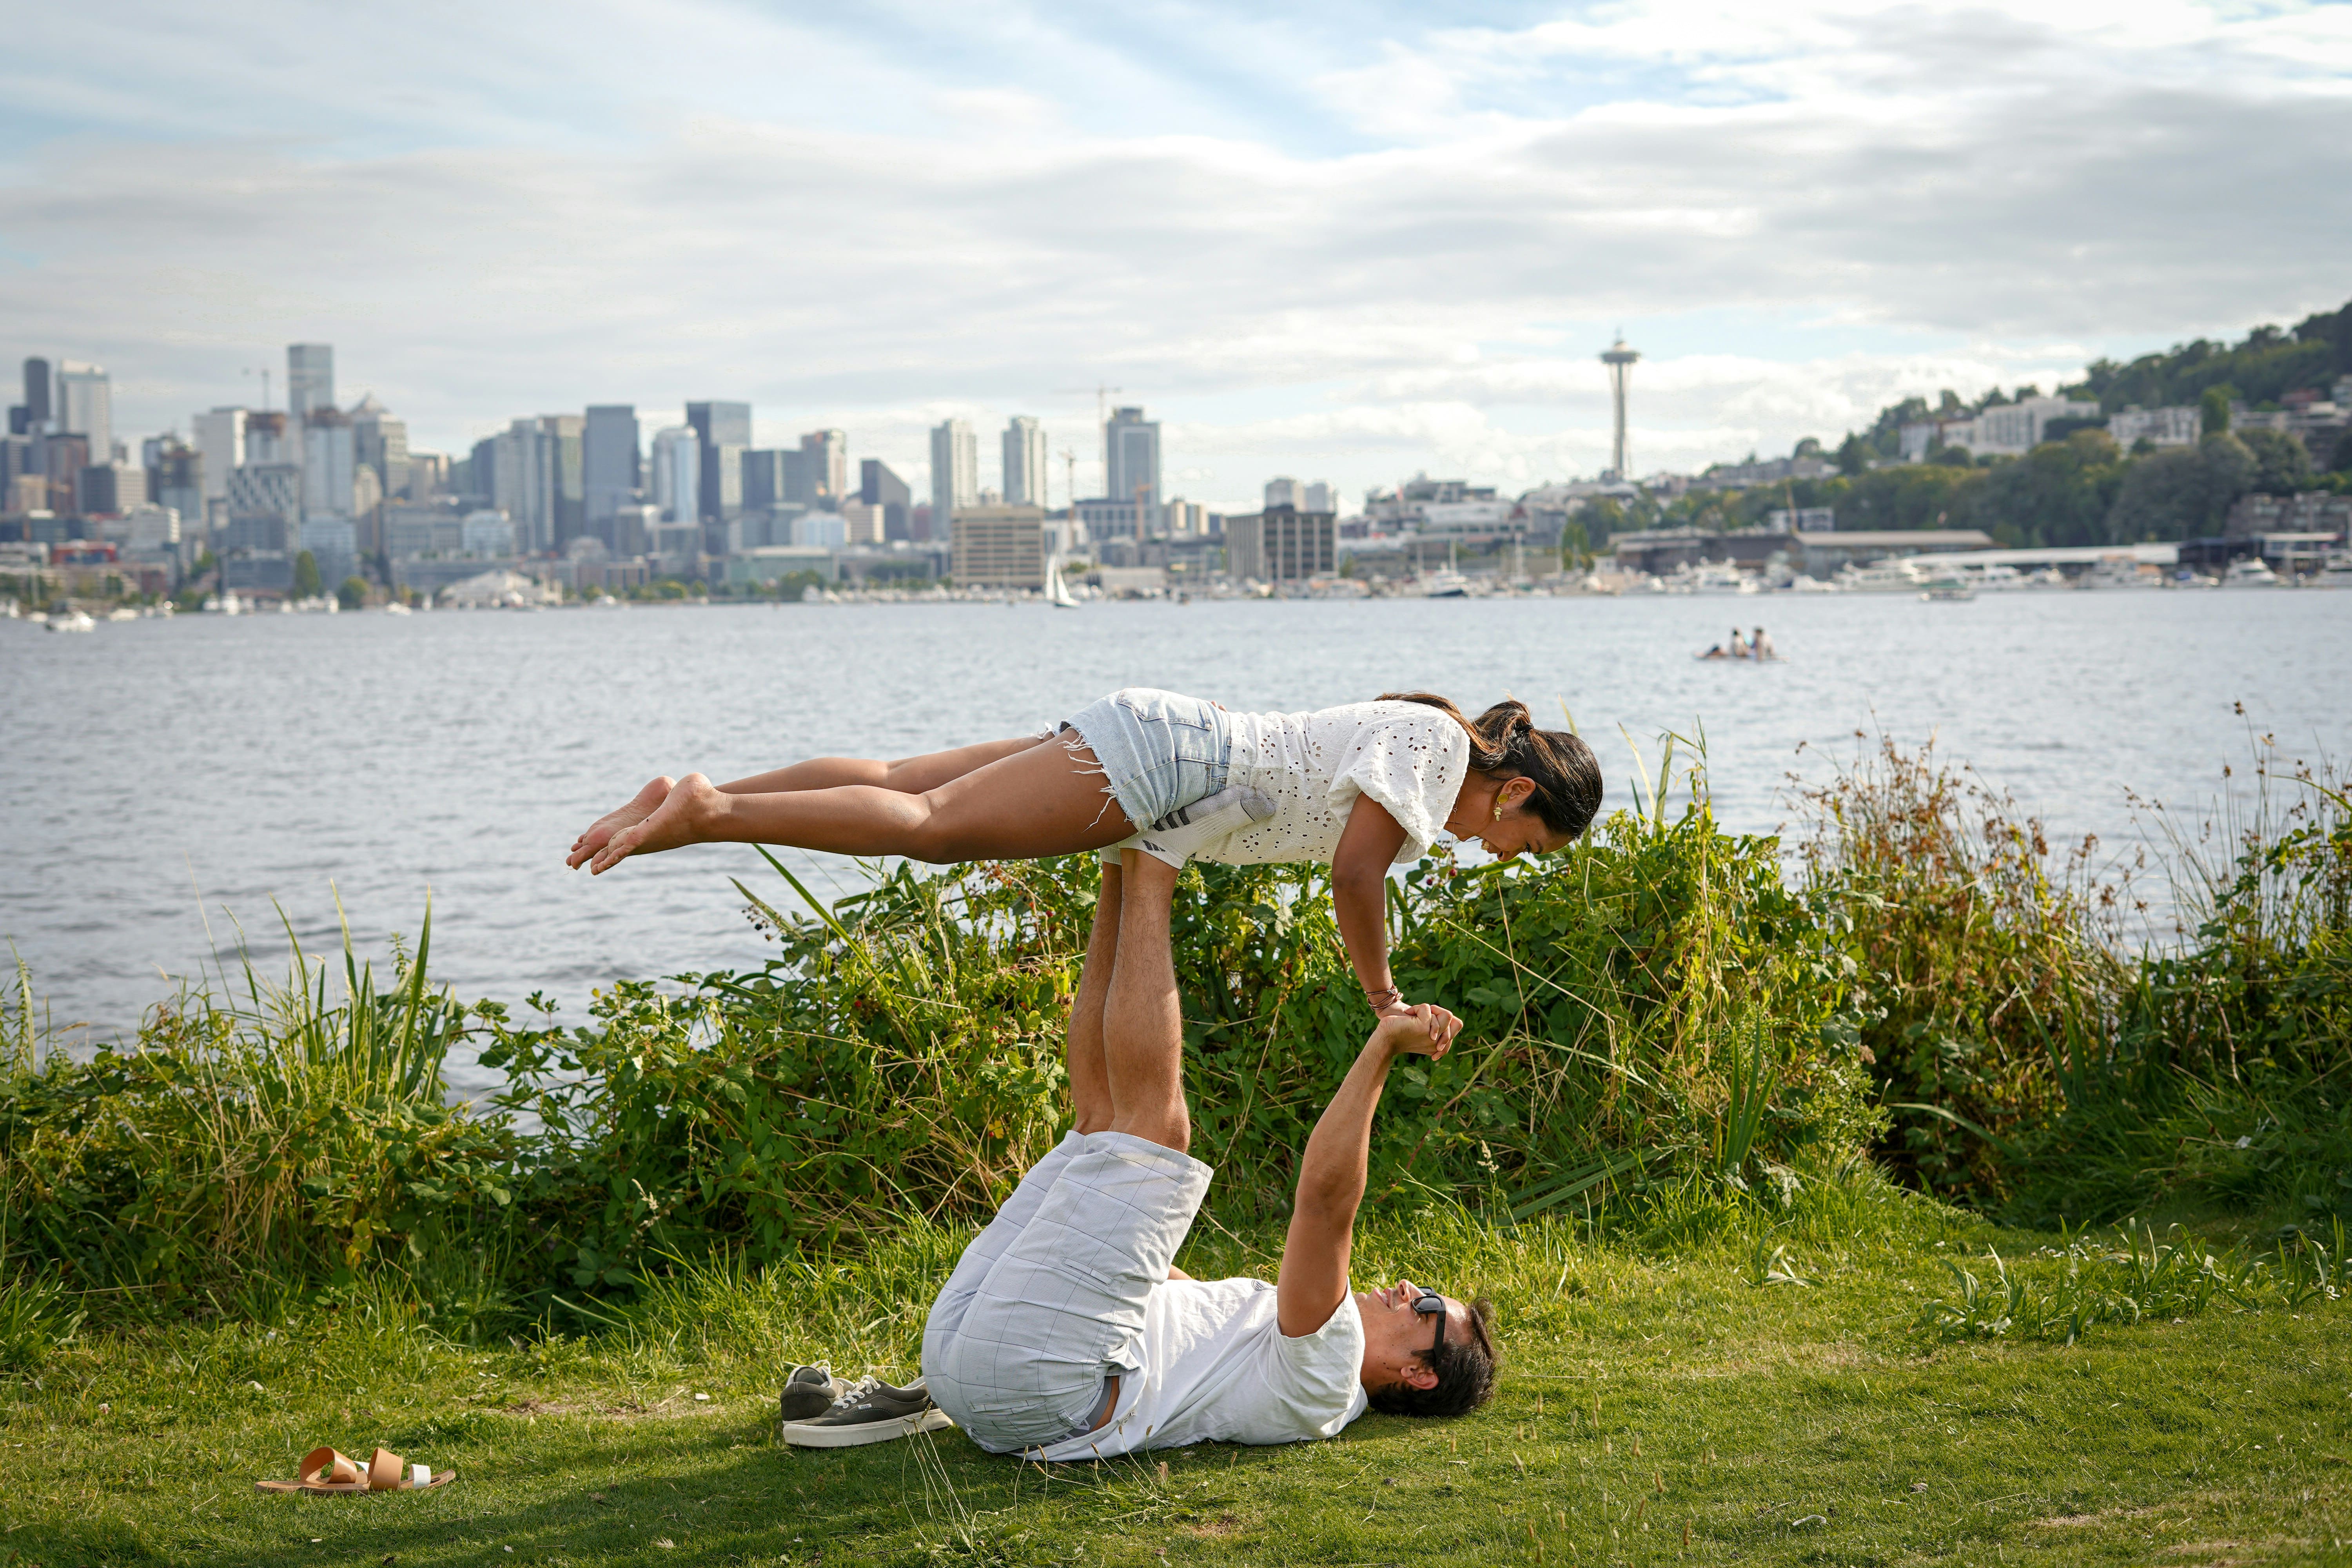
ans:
(63, 456)
(611, 465)
(220, 436)
(265, 507)
(330, 462)
(310, 379)
(1024, 462)
(1131, 460)
(828, 451)
(109, 490)
(724, 430)
(176, 480)
(955, 474)
(878, 486)
(39, 390)
(267, 439)
(1318, 497)
(676, 486)
(379, 441)
(1000, 547)
(768, 474)
(1281, 544)
(567, 495)
(1281, 493)
(85, 406)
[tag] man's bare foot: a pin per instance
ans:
(636, 810)
(677, 822)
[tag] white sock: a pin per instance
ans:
(1186, 831)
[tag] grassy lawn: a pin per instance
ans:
(1659, 1405)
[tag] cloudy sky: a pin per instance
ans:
(1341, 242)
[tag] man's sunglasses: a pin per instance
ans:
(1427, 1304)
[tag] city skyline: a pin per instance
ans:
(1405, 259)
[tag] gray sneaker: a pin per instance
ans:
(871, 1412)
(809, 1391)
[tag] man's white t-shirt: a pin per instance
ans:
(1408, 756)
(1216, 1369)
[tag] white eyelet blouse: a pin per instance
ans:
(1408, 756)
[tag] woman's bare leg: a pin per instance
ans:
(1043, 800)
(909, 775)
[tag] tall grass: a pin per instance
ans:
(1663, 1030)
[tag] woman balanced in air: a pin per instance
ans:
(1359, 788)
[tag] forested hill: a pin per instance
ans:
(2081, 488)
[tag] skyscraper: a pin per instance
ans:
(85, 406)
(220, 436)
(878, 486)
(38, 390)
(310, 378)
(955, 475)
(1024, 462)
(830, 451)
(612, 467)
(676, 486)
(1131, 460)
(330, 462)
(724, 430)
(380, 441)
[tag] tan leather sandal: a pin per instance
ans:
(326, 1472)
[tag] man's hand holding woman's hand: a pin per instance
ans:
(1427, 1030)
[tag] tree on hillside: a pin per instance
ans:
(2213, 411)
(2182, 493)
(2061, 493)
(305, 576)
(352, 593)
(2281, 462)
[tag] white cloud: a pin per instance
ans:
(1407, 266)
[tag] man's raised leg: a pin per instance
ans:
(1143, 1029)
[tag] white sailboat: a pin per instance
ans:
(1057, 592)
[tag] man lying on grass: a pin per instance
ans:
(1065, 1333)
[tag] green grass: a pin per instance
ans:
(1652, 1388)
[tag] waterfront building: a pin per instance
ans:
(1282, 544)
(676, 486)
(612, 470)
(2013, 429)
(1131, 458)
(1109, 517)
(310, 379)
(1026, 461)
(1001, 546)
(823, 529)
(487, 531)
(414, 531)
(724, 430)
(85, 406)
(955, 475)
(220, 436)
(864, 522)
(333, 543)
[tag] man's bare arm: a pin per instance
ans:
(1331, 1172)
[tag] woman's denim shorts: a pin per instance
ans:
(1159, 750)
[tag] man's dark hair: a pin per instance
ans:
(1465, 1373)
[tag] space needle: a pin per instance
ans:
(1620, 361)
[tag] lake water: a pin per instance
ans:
(167, 781)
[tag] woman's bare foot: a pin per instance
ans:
(677, 822)
(599, 832)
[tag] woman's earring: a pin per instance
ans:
(1498, 811)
